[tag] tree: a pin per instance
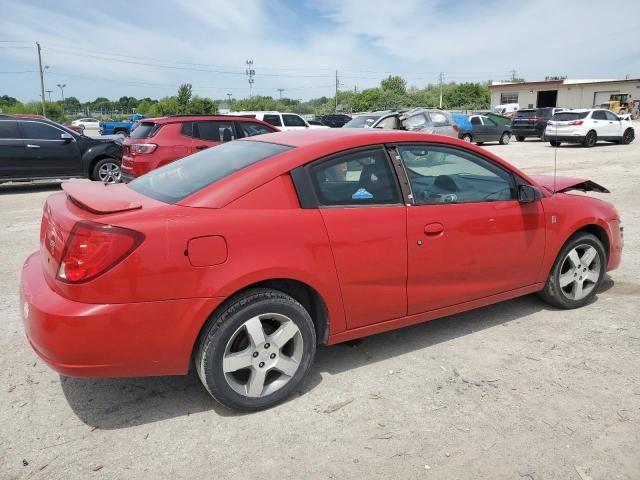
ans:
(202, 106)
(395, 84)
(184, 95)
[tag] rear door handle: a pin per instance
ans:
(433, 229)
(201, 147)
(30, 145)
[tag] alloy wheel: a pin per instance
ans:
(109, 172)
(262, 355)
(580, 272)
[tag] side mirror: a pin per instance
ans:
(528, 194)
(67, 137)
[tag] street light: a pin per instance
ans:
(61, 87)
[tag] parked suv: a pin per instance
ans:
(531, 122)
(284, 121)
(589, 126)
(336, 120)
(419, 120)
(158, 141)
(39, 149)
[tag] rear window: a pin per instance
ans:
(569, 116)
(182, 178)
(544, 112)
(361, 121)
(525, 114)
(145, 130)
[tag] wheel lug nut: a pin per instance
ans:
(255, 354)
(266, 345)
(272, 356)
(261, 364)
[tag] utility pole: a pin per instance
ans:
(44, 108)
(441, 78)
(280, 90)
(513, 75)
(250, 73)
(61, 87)
(49, 94)
(337, 87)
(229, 98)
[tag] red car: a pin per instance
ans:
(158, 141)
(242, 258)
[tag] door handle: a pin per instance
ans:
(30, 145)
(201, 147)
(433, 229)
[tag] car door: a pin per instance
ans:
(50, 151)
(614, 125)
(479, 132)
(12, 151)
(492, 133)
(467, 235)
(359, 200)
(273, 119)
(293, 122)
(209, 133)
(600, 123)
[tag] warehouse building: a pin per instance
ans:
(562, 93)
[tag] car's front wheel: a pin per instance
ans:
(504, 139)
(627, 136)
(256, 350)
(577, 272)
(107, 170)
(520, 138)
(554, 143)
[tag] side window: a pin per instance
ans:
(438, 119)
(488, 122)
(9, 129)
(390, 123)
(293, 121)
(443, 175)
(360, 178)
(475, 121)
(39, 131)
(415, 122)
(611, 116)
(249, 129)
(273, 120)
(215, 131)
(187, 129)
(598, 115)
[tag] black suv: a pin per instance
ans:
(531, 122)
(334, 121)
(39, 149)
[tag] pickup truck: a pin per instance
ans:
(123, 128)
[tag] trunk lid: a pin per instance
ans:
(99, 198)
(564, 184)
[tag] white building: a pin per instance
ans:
(562, 93)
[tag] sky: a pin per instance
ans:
(147, 48)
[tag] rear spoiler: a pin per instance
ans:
(98, 198)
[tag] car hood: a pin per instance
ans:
(564, 184)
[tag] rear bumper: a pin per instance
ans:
(564, 138)
(109, 340)
(527, 131)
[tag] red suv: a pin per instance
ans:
(158, 141)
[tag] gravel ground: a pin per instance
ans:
(516, 390)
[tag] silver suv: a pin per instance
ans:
(427, 120)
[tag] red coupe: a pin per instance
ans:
(242, 258)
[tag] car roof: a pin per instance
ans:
(194, 118)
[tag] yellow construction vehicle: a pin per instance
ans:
(622, 104)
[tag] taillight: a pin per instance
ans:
(140, 148)
(576, 122)
(94, 248)
(456, 128)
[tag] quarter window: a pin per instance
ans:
(272, 120)
(293, 121)
(359, 178)
(439, 119)
(39, 131)
(475, 121)
(187, 129)
(443, 175)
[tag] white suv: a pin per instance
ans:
(588, 126)
(284, 121)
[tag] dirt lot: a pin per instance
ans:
(517, 390)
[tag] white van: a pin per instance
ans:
(506, 110)
(284, 121)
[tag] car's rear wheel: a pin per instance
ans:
(590, 139)
(521, 138)
(577, 272)
(554, 143)
(504, 139)
(628, 136)
(467, 138)
(479, 143)
(107, 170)
(256, 350)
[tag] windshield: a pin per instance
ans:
(178, 180)
(361, 121)
(569, 116)
(145, 130)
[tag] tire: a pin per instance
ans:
(573, 265)
(107, 170)
(554, 143)
(467, 138)
(590, 139)
(628, 136)
(263, 312)
(504, 138)
(543, 138)
(121, 132)
(479, 143)
(521, 138)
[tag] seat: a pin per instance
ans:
(227, 136)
